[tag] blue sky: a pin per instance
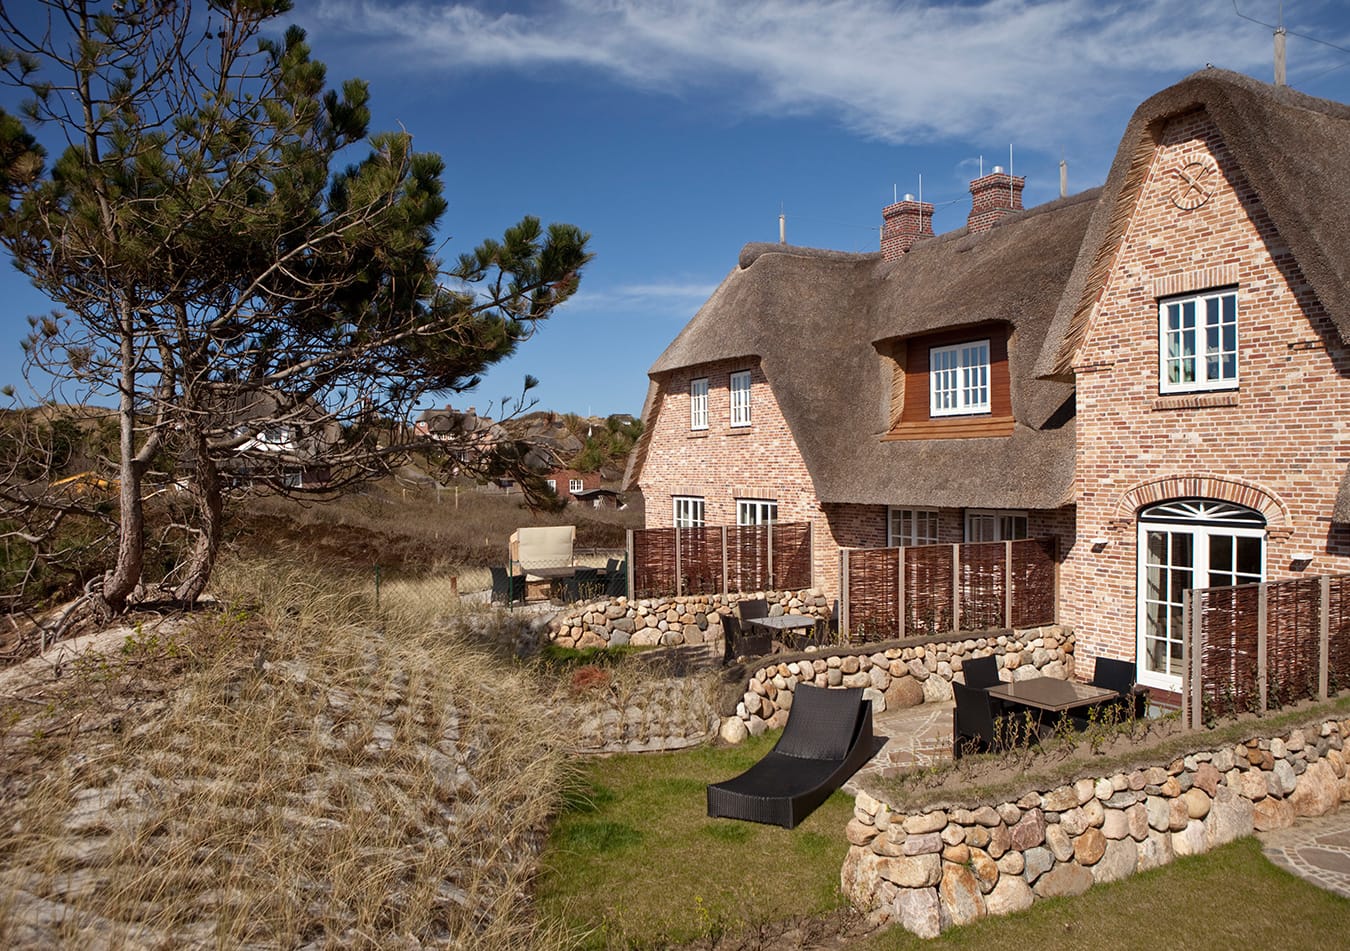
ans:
(675, 131)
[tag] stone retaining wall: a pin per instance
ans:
(669, 622)
(896, 676)
(928, 871)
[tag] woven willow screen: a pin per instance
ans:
(721, 559)
(928, 589)
(1303, 631)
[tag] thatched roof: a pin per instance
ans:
(1293, 150)
(814, 319)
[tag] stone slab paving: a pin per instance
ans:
(915, 736)
(1315, 849)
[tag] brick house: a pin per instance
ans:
(1151, 372)
(567, 484)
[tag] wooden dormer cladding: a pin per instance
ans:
(910, 388)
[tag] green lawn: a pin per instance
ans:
(1229, 898)
(634, 862)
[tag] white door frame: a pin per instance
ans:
(1202, 520)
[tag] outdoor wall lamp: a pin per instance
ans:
(1301, 560)
(1099, 544)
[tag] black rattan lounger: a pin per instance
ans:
(827, 737)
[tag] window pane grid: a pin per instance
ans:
(1199, 342)
(959, 379)
(756, 511)
(688, 512)
(698, 404)
(913, 527)
(740, 398)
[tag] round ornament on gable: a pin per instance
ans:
(1193, 183)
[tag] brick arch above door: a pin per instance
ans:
(1223, 488)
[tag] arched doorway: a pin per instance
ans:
(1188, 543)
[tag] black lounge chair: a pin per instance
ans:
(582, 586)
(507, 587)
(827, 737)
(972, 721)
(615, 579)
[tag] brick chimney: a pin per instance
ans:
(903, 224)
(991, 197)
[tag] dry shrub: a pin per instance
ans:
(277, 773)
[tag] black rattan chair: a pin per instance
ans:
(1119, 675)
(752, 609)
(616, 579)
(507, 587)
(583, 585)
(981, 672)
(744, 640)
(972, 720)
(827, 738)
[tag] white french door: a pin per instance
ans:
(1188, 543)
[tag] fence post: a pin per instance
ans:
(844, 593)
(679, 568)
(956, 588)
(769, 542)
(629, 562)
(1262, 662)
(900, 588)
(1007, 584)
(1324, 638)
(1186, 658)
(1197, 679)
(811, 550)
(726, 576)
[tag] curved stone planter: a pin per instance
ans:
(930, 870)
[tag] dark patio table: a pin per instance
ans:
(1051, 694)
(551, 574)
(786, 625)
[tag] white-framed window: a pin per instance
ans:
(1197, 342)
(740, 398)
(958, 379)
(995, 525)
(553, 486)
(911, 527)
(756, 511)
(698, 403)
(574, 486)
(688, 511)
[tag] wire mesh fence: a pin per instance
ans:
(592, 573)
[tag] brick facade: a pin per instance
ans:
(562, 479)
(1278, 443)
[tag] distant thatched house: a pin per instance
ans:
(1154, 373)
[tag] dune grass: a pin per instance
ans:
(634, 861)
(279, 772)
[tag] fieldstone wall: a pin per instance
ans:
(928, 871)
(897, 676)
(669, 622)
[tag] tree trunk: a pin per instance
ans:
(208, 502)
(119, 583)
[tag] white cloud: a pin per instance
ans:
(646, 299)
(896, 70)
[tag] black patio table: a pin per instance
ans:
(785, 624)
(1051, 694)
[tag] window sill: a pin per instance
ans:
(698, 434)
(962, 427)
(1195, 401)
(740, 431)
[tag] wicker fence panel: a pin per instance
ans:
(928, 589)
(792, 556)
(1293, 622)
(1033, 582)
(1338, 611)
(654, 563)
(1228, 653)
(983, 580)
(748, 558)
(701, 560)
(873, 594)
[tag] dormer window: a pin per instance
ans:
(958, 378)
(950, 385)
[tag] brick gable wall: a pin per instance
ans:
(1280, 443)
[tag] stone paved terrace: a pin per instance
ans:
(1316, 849)
(915, 736)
